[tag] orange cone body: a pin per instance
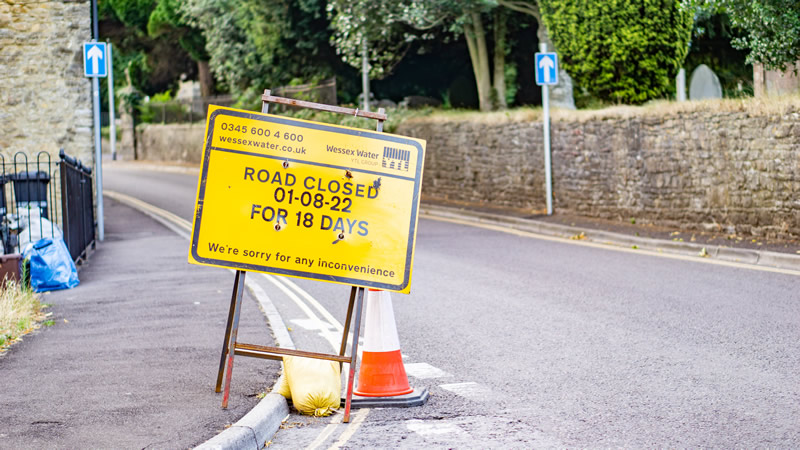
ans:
(382, 373)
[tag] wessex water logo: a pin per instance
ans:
(394, 158)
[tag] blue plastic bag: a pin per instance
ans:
(51, 265)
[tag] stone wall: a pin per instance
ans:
(178, 142)
(45, 101)
(725, 166)
(728, 166)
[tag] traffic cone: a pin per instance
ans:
(382, 379)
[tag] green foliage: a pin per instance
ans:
(771, 30)
(511, 83)
(395, 117)
(155, 63)
(391, 26)
(133, 13)
(166, 21)
(620, 51)
(711, 45)
(256, 44)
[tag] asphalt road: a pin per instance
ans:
(528, 342)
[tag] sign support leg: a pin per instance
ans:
(239, 290)
(353, 356)
(228, 327)
(343, 348)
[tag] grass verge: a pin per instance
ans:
(20, 313)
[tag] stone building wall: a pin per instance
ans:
(45, 101)
(718, 167)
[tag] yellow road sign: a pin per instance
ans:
(307, 199)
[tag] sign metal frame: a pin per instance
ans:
(232, 347)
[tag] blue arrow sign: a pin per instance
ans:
(546, 68)
(94, 59)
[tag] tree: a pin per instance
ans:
(772, 30)
(626, 52)
(255, 44)
(154, 63)
(380, 22)
(165, 21)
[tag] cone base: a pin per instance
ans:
(382, 374)
(417, 397)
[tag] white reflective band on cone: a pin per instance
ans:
(380, 331)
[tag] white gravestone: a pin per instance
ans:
(704, 84)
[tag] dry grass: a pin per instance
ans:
(769, 106)
(20, 312)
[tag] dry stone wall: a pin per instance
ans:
(708, 169)
(176, 142)
(45, 101)
(712, 166)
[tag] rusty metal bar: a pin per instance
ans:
(353, 357)
(232, 341)
(322, 107)
(379, 127)
(263, 351)
(346, 330)
(228, 327)
(265, 103)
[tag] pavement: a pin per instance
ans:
(132, 358)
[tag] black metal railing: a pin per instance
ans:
(28, 212)
(29, 206)
(77, 206)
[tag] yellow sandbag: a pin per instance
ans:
(314, 384)
(282, 387)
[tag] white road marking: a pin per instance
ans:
(311, 324)
(470, 390)
(330, 336)
(610, 246)
(355, 424)
(317, 305)
(326, 432)
(424, 370)
(438, 427)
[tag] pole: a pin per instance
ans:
(548, 175)
(365, 75)
(111, 111)
(98, 156)
(95, 33)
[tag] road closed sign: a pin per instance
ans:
(307, 199)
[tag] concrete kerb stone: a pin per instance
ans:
(255, 428)
(747, 256)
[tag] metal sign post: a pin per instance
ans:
(111, 111)
(547, 74)
(95, 66)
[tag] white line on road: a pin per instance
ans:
(470, 390)
(358, 419)
(609, 246)
(438, 427)
(423, 370)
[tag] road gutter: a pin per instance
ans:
(784, 262)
